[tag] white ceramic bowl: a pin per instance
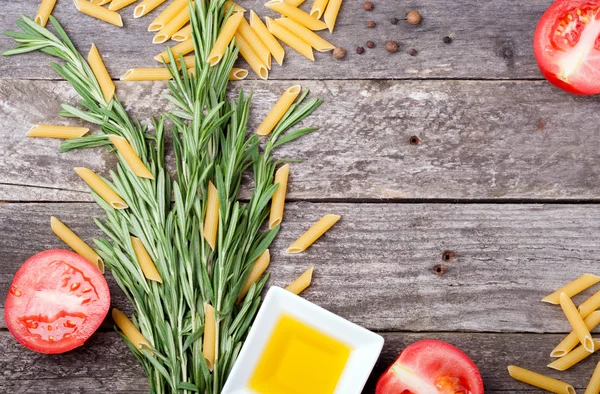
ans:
(365, 345)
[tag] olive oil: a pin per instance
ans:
(299, 359)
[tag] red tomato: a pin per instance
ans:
(56, 301)
(567, 45)
(431, 367)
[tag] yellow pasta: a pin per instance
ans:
(278, 201)
(129, 330)
(190, 61)
(251, 57)
(236, 7)
(570, 310)
(211, 219)
(116, 5)
(331, 13)
(209, 340)
(183, 48)
(145, 261)
(318, 8)
(100, 2)
(256, 44)
(573, 357)
(289, 38)
(225, 37)
(146, 74)
(267, 38)
(312, 38)
(237, 74)
(590, 305)
(44, 11)
(131, 158)
(50, 131)
(301, 283)
(98, 12)
(260, 266)
(572, 288)
(101, 74)
(76, 243)
(168, 13)
(99, 186)
(540, 381)
(183, 34)
(593, 386)
(278, 111)
(571, 340)
(296, 14)
(145, 7)
(173, 26)
(313, 233)
(295, 3)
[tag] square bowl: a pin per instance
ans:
(365, 345)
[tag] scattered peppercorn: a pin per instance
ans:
(368, 6)
(371, 24)
(370, 44)
(414, 140)
(413, 17)
(394, 21)
(447, 40)
(412, 52)
(360, 50)
(339, 53)
(391, 46)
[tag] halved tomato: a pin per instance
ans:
(431, 367)
(56, 301)
(567, 45)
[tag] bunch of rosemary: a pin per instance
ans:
(211, 143)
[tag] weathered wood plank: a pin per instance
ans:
(375, 266)
(480, 47)
(479, 140)
(104, 364)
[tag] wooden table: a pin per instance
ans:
(457, 237)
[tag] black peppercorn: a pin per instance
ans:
(370, 24)
(370, 44)
(368, 6)
(447, 40)
(360, 50)
(394, 21)
(412, 52)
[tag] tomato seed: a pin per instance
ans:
(50, 338)
(69, 324)
(75, 286)
(86, 290)
(14, 291)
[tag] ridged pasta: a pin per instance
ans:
(301, 283)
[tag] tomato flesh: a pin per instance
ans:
(56, 301)
(431, 367)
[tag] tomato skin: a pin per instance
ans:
(56, 301)
(431, 367)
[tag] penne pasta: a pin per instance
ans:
(237, 74)
(573, 357)
(190, 61)
(44, 11)
(236, 7)
(589, 305)
(593, 386)
(147, 74)
(116, 5)
(279, 110)
(318, 8)
(301, 283)
(98, 12)
(76, 243)
(168, 13)
(129, 329)
(331, 13)
(572, 288)
(209, 340)
(100, 2)
(256, 44)
(211, 218)
(579, 326)
(131, 158)
(260, 266)
(50, 131)
(313, 233)
(278, 200)
(312, 38)
(183, 48)
(183, 34)
(295, 3)
(173, 26)
(251, 57)
(224, 38)
(145, 7)
(571, 340)
(267, 38)
(145, 261)
(289, 38)
(98, 185)
(296, 14)
(101, 73)
(540, 381)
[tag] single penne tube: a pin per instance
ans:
(76, 243)
(331, 13)
(318, 8)
(267, 38)
(575, 287)
(301, 283)
(312, 38)
(44, 11)
(278, 111)
(145, 7)
(116, 5)
(593, 386)
(224, 38)
(295, 3)
(98, 185)
(278, 200)
(183, 48)
(147, 74)
(98, 12)
(172, 26)
(260, 266)
(209, 340)
(251, 57)
(313, 233)
(237, 74)
(590, 305)
(100, 2)
(573, 357)
(236, 7)
(572, 340)
(190, 61)
(540, 381)
(101, 73)
(289, 38)
(51, 131)
(129, 329)
(211, 218)
(183, 34)
(145, 261)
(168, 13)
(296, 14)
(579, 326)
(131, 157)
(257, 45)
